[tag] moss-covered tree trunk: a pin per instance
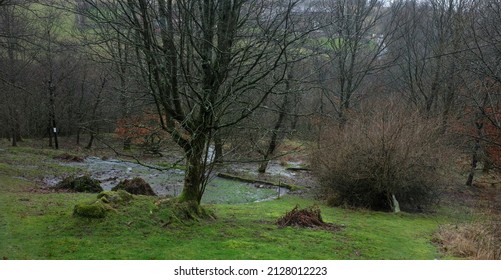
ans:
(194, 177)
(192, 180)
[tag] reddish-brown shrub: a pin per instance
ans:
(383, 152)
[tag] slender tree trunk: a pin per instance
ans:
(218, 148)
(49, 130)
(56, 132)
(474, 158)
(91, 140)
(276, 134)
(12, 127)
(126, 144)
(78, 135)
(17, 127)
(14, 140)
(52, 93)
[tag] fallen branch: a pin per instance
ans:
(298, 169)
(259, 181)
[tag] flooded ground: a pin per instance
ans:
(170, 182)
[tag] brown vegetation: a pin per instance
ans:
(68, 157)
(479, 241)
(305, 218)
(135, 186)
(80, 184)
(382, 157)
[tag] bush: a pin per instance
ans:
(383, 158)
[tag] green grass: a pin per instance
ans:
(41, 226)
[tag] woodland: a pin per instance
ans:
(250, 129)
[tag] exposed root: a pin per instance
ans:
(171, 211)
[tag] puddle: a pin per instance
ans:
(170, 182)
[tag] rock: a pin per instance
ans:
(135, 186)
(97, 209)
(80, 184)
(119, 197)
(106, 201)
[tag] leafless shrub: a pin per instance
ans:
(382, 157)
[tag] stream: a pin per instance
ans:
(170, 182)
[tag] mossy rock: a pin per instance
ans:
(97, 209)
(106, 201)
(80, 184)
(119, 197)
(136, 186)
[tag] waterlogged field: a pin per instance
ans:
(40, 225)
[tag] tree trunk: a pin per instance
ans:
(395, 206)
(14, 140)
(276, 134)
(49, 130)
(218, 148)
(474, 159)
(56, 132)
(193, 177)
(275, 139)
(126, 144)
(12, 127)
(78, 135)
(263, 166)
(17, 128)
(91, 140)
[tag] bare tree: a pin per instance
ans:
(209, 64)
(48, 60)
(482, 93)
(14, 26)
(430, 53)
(356, 36)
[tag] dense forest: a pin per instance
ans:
(385, 101)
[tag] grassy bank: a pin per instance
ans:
(36, 225)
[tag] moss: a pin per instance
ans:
(106, 201)
(97, 209)
(119, 197)
(80, 184)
